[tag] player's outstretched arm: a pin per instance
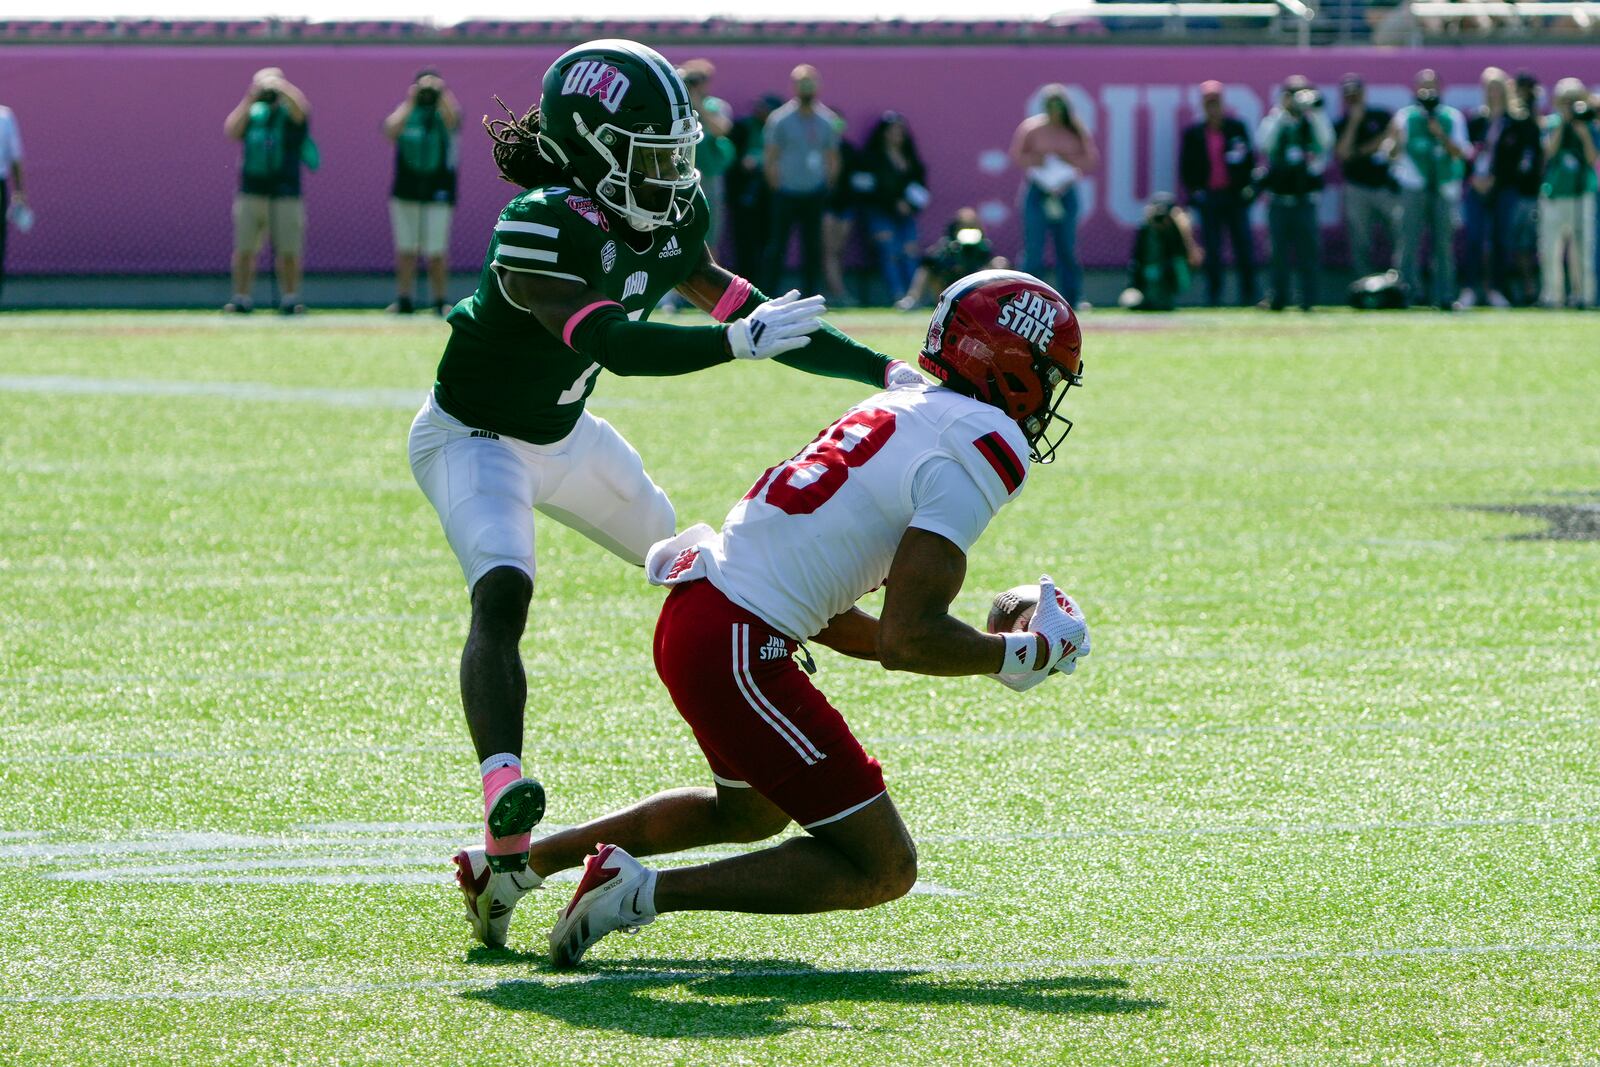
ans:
(727, 297)
(595, 326)
(916, 631)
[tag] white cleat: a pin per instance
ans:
(607, 899)
(490, 895)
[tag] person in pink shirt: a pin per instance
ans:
(1215, 164)
(1053, 150)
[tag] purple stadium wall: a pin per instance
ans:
(129, 172)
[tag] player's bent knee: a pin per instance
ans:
(896, 877)
(757, 826)
(500, 599)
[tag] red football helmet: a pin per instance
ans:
(1009, 340)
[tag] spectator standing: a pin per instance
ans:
(1216, 163)
(423, 197)
(846, 201)
(1518, 174)
(896, 193)
(1566, 200)
(13, 201)
(1053, 149)
(272, 123)
(1429, 147)
(716, 153)
(801, 154)
(1296, 141)
(1371, 200)
(1482, 257)
(748, 194)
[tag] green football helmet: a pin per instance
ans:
(615, 117)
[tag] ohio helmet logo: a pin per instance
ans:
(593, 77)
(1031, 317)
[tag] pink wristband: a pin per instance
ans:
(578, 317)
(733, 298)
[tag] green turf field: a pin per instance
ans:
(1328, 789)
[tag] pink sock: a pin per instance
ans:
(494, 781)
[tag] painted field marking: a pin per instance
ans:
(975, 737)
(61, 384)
(1082, 963)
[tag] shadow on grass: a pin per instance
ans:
(738, 998)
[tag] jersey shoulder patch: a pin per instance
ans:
(542, 232)
(993, 448)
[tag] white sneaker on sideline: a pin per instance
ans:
(1467, 299)
(1497, 299)
(490, 896)
(607, 899)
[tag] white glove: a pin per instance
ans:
(780, 325)
(901, 373)
(1059, 621)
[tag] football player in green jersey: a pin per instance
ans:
(612, 218)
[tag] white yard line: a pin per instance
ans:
(973, 737)
(59, 384)
(339, 847)
(1069, 964)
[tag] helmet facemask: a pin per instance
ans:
(652, 177)
(1057, 382)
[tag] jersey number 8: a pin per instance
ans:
(810, 479)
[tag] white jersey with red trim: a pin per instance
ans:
(819, 531)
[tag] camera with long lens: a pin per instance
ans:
(268, 96)
(427, 96)
(1428, 100)
(1581, 110)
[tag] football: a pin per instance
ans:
(1012, 610)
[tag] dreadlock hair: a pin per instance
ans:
(516, 149)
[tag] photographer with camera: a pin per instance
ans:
(1429, 147)
(423, 197)
(1566, 200)
(1371, 198)
(1296, 140)
(272, 123)
(1164, 252)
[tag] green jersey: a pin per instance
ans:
(502, 370)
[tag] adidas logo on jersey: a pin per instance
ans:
(672, 248)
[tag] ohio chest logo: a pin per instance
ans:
(591, 77)
(635, 283)
(1030, 317)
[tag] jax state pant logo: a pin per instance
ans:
(591, 77)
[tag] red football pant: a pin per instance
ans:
(757, 717)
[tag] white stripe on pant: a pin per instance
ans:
(763, 707)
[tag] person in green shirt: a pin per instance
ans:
(1566, 198)
(611, 218)
(423, 197)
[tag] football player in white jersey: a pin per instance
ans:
(894, 494)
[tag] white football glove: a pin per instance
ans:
(1059, 621)
(901, 373)
(780, 325)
